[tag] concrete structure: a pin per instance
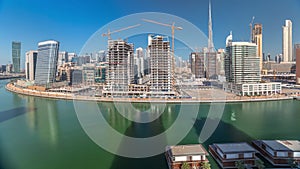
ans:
(278, 68)
(100, 73)
(242, 63)
(101, 56)
(30, 64)
(210, 44)
(139, 62)
(3, 68)
(254, 89)
(193, 155)
(287, 42)
(297, 56)
(257, 39)
(211, 65)
(71, 56)
(46, 62)
(76, 78)
(62, 58)
(120, 67)
(161, 66)
(228, 154)
(9, 68)
(279, 152)
(243, 72)
(220, 62)
(16, 56)
(88, 74)
(197, 64)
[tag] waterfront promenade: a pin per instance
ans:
(207, 96)
(3, 77)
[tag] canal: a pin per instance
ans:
(44, 133)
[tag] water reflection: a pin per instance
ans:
(143, 111)
(42, 118)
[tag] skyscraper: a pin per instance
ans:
(297, 55)
(120, 67)
(62, 58)
(242, 63)
(161, 66)
(287, 35)
(139, 62)
(210, 31)
(16, 56)
(30, 64)
(257, 39)
(46, 62)
(210, 55)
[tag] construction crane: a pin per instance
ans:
(251, 26)
(173, 27)
(119, 30)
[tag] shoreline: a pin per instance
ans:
(68, 96)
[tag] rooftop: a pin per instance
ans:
(243, 44)
(283, 145)
(235, 147)
(195, 149)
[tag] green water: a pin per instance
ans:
(39, 133)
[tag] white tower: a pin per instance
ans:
(287, 46)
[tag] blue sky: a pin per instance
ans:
(73, 22)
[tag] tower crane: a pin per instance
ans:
(173, 27)
(251, 26)
(108, 34)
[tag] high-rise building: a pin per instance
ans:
(30, 64)
(161, 66)
(120, 67)
(210, 55)
(71, 57)
(16, 56)
(210, 31)
(62, 58)
(9, 68)
(197, 64)
(297, 55)
(46, 62)
(257, 39)
(287, 46)
(220, 62)
(242, 63)
(211, 65)
(139, 62)
(88, 74)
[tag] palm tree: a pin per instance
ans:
(205, 165)
(259, 164)
(240, 164)
(185, 165)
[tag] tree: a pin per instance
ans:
(259, 164)
(185, 165)
(205, 165)
(240, 164)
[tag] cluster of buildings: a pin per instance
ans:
(16, 60)
(279, 153)
(122, 70)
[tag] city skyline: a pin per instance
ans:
(65, 27)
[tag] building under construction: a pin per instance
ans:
(161, 66)
(197, 64)
(120, 67)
